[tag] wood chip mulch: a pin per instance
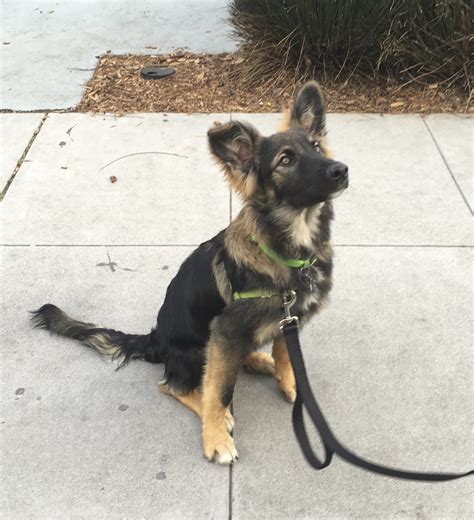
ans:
(214, 83)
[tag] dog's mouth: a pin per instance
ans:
(343, 188)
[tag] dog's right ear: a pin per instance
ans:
(234, 145)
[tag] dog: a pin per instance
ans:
(226, 299)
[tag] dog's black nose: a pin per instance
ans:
(337, 171)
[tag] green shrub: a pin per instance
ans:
(422, 40)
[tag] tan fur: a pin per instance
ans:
(239, 244)
(222, 281)
(283, 370)
(244, 184)
(323, 144)
(285, 121)
(260, 362)
(301, 224)
(193, 400)
(217, 443)
(325, 252)
(266, 333)
(102, 344)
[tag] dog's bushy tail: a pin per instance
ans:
(115, 345)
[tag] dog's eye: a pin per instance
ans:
(285, 160)
(316, 146)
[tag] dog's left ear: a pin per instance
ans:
(309, 110)
(234, 145)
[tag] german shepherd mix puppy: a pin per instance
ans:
(226, 300)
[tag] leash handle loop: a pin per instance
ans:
(306, 398)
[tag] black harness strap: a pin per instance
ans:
(306, 398)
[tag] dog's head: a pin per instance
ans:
(292, 166)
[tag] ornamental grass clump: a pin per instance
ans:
(405, 40)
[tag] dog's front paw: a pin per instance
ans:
(218, 445)
(286, 381)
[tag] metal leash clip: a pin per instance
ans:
(289, 299)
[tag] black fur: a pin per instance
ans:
(192, 301)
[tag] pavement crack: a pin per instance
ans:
(69, 130)
(447, 165)
(23, 156)
(110, 264)
(113, 265)
(231, 478)
(143, 153)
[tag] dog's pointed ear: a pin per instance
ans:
(234, 145)
(309, 110)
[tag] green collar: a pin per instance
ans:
(296, 263)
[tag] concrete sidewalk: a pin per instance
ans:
(49, 49)
(390, 360)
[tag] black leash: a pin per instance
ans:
(305, 397)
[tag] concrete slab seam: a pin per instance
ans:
(231, 473)
(396, 246)
(41, 110)
(230, 490)
(99, 245)
(23, 157)
(446, 164)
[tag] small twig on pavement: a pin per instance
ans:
(143, 153)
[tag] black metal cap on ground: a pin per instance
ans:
(156, 72)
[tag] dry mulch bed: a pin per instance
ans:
(214, 83)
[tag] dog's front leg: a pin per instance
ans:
(283, 369)
(222, 367)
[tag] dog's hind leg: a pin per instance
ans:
(193, 401)
(260, 362)
(221, 371)
(283, 369)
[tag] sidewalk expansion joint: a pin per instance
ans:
(395, 246)
(230, 491)
(231, 474)
(23, 156)
(114, 245)
(446, 164)
(412, 246)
